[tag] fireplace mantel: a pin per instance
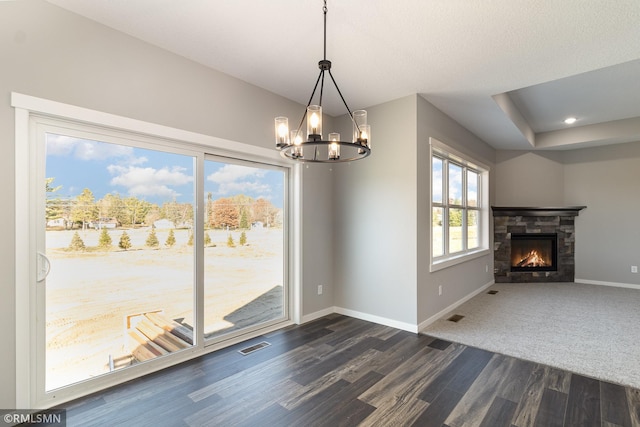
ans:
(536, 211)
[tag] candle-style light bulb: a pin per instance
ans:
(314, 122)
(365, 137)
(282, 132)
(296, 139)
(334, 147)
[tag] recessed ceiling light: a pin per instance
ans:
(570, 120)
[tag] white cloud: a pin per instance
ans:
(244, 188)
(232, 173)
(149, 181)
(455, 182)
(83, 149)
(236, 179)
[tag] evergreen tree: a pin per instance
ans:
(230, 242)
(105, 239)
(244, 220)
(171, 239)
(243, 238)
(76, 243)
(125, 241)
(207, 239)
(152, 239)
(190, 241)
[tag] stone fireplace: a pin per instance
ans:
(534, 244)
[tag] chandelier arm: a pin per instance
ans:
(321, 88)
(343, 101)
(321, 75)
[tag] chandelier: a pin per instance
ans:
(308, 145)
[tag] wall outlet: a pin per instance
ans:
(439, 289)
(634, 268)
(319, 289)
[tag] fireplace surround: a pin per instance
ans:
(534, 244)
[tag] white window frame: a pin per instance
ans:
(451, 155)
(26, 203)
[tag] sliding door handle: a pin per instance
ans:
(44, 267)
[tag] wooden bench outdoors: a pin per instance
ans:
(152, 334)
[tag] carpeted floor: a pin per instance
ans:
(587, 329)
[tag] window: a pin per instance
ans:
(458, 207)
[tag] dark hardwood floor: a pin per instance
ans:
(340, 371)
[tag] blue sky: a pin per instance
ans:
(455, 182)
(154, 176)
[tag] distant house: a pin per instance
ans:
(164, 224)
(58, 222)
(258, 225)
(105, 223)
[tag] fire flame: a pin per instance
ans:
(532, 259)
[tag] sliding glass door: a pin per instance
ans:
(148, 251)
(117, 224)
(244, 254)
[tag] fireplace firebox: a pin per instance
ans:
(534, 252)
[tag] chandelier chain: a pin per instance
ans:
(324, 10)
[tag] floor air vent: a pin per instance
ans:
(455, 318)
(492, 292)
(254, 347)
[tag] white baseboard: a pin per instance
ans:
(601, 283)
(378, 319)
(318, 314)
(453, 306)
(362, 316)
(391, 322)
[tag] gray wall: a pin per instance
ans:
(605, 179)
(316, 231)
(50, 53)
(460, 280)
(383, 231)
(525, 178)
(375, 219)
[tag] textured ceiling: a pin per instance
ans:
(509, 71)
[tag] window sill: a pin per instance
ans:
(457, 259)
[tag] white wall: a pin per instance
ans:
(463, 279)
(375, 219)
(50, 53)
